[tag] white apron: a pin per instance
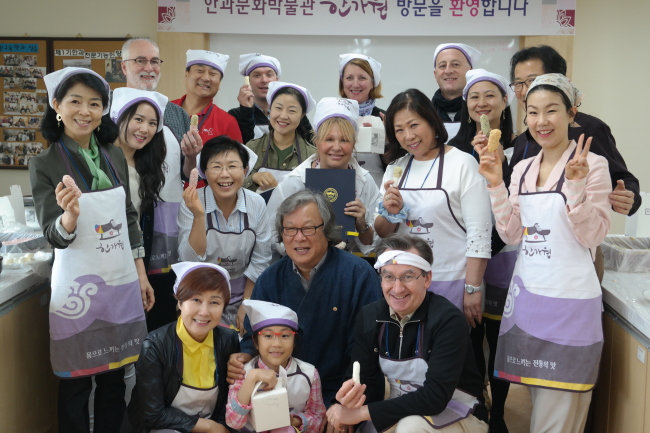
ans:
(194, 401)
(277, 173)
(232, 251)
(96, 317)
(164, 245)
(431, 218)
(452, 129)
(408, 375)
(551, 332)
(299, 380)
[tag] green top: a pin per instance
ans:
(286, 159)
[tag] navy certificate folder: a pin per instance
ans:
(337, 186)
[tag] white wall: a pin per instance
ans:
(67, 18)
(610, 66)
(313, 61)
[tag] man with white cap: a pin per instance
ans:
(142, 65)
(450, 64)
(324, 285)
(203, 74)
(417, 340)
(253, 112)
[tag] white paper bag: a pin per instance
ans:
(371, 139)
(270, 408)
(639, 223)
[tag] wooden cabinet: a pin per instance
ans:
(622, 398)
(28, 387)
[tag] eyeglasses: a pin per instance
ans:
(518, 85)
(270, 335)
(307, 231)
(404, 279)
(142, 62)
(230, 169)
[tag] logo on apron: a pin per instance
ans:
(109, 230)
(331, 195)
(536, 235)
(226, 261)
(509, 308)
(78, 302)
(419, 227)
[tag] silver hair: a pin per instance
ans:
(127, 44)
(402, 242)
(303, 198)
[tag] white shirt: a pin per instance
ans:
(467, 191)
(365, 189)
(258, 220)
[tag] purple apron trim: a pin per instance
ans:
(452, 290)
(125, 302)
(500, 268)
(460, 408)
(275, 322)
(237, 286)
(165, 215)
(563, 321)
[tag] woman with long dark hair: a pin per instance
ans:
(153, 156)
(288, 142)
(99, 284)
(431, 190)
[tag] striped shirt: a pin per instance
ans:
(248, 203)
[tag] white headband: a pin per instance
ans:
(252, 61)
(399, 257)
(474, 76)
(375, 66)
(125, 97)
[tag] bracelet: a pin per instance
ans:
(393, 218)
(365, 229)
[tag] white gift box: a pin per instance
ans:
(371, 139)
(270, 408)
(639, 223)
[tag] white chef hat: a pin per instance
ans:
(125, 97)
(375, 66)
(336, 107)
(210, 58)
(274, 86)
(248, 62)
(399, 257)
(474, 76)
(252, 159)
(263, 314)
(55, 79)
(472, 54)
(181, 269)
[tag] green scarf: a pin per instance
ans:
(92, 156)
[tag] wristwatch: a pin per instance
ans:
(365, 229)
(473, 289)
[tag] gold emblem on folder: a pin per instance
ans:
(331, 195)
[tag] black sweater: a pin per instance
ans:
(447, 349)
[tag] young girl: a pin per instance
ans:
(153, 156)
(275, 327)
(551, 332)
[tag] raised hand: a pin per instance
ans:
(490, 167)
(577, 168)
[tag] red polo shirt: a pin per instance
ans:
(213, 122)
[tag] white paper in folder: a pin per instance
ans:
(271, 408)
(371, 139)
(639, 223)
